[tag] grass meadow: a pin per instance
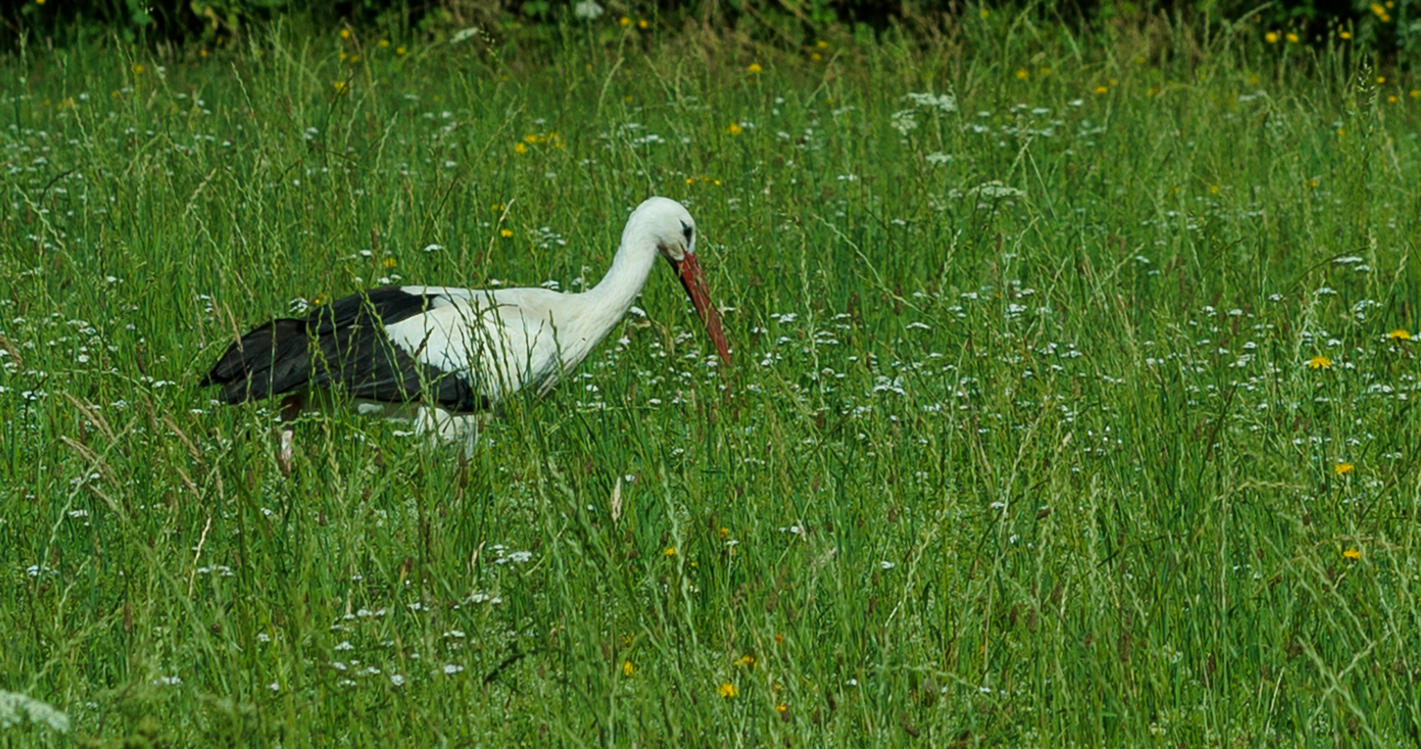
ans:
(1072, 404)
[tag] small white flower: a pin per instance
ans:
(587, 10)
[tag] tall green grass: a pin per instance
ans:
(1071, 405)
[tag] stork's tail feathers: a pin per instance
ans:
(270, 360)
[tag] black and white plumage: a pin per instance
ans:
(437, 355)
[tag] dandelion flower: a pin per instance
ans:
(384, 42)
(624, 21)
(1346, 35)
(1102, 89)
(1381, 79)
(670, 551)
(340, 87)
(1400, 334)
(1319, 362)
(642, 23)
(1352, 553)
(728, 691)
(1344, 468)
(754, 67)
(520, 149)
(1292, 38)
(628, 668)
(781, 708)
(735, 129)
(345, 33)
(399, 50)
(746, 661)
(505, 233)
(1021, 74)
(390, 262)
(138, 69)
(1271, 37)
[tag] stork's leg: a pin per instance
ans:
(445, 428)
(291, 407)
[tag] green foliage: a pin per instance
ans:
(1073, 398)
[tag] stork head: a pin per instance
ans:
(668, 225)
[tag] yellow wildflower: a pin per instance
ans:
(816, 57)
(1381, 79)
(340, 87)
(1271, 37)
(670, 551)
(746, 661)
(821, 44)
(628, 668)
(345, 33)
(1400, 334)
(1346, 35)
(1292, 38)
(390, 262)
(728, 690)
(624, 21)
(754, 67)
(1021, 74)
(642, 23)
(138, 68)
(399, 50)
(384, 42)
(1352, 553)
(1319, 362)
(735, 129)
(1102, 89)
(1344, 468)
(520, 149)
(781, 708)
(505, 233)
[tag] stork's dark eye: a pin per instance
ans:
(689, 232)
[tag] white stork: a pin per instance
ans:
(437, 356)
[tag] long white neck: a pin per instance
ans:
(606, 303)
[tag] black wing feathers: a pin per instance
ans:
(342, 346)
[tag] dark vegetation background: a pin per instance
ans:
(1389, 29)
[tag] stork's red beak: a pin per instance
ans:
(695, 283)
